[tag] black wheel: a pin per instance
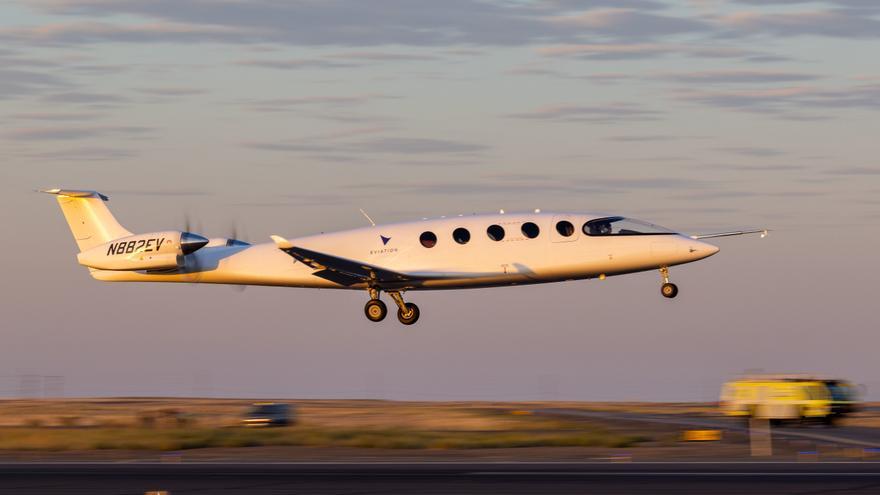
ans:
(412, 317)
(375, 310)
(669, 290)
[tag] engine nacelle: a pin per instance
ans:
(153, 251)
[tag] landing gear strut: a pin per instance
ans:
(375, 308)
(407, 313)
(668, 289)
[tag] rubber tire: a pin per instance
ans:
(669, 290)
(413, 318)
(376, 304)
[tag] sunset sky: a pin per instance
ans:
(287, 117)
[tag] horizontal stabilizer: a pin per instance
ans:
(74, 193)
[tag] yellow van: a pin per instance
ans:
(777, 399)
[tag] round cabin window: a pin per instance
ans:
(461, 235)
(495, 232)
(530, 230)
(428, 239)
(565, 228)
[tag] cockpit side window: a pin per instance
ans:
(622, 226)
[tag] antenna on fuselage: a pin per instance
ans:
(368, 217)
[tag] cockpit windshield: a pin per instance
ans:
(622, 226)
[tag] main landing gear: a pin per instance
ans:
(375, 310)
(668, 289)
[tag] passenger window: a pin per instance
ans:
(565, 228)
(428, 239)
(495, 232)
(530, 230)
(461, 235)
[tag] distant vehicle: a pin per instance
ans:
(269, 414)
(457, 252)
(778, 400)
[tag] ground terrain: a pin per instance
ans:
(207, 430)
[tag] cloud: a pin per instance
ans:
(84, 154)
(72, 133)
(628, 24)
(56, 116)
(330, 22)
(333, 101)
(85, 98)
(638, 51)
(343, 60)
(385, 56)
(854, 171)
(752, 168)
(614, 51)
(296, 64)
(96, 32)
(389, 145)
(515, 185)
(786, 101)
(417, 146)
(604, 114)
(739, 77)
(643, 138)
(839, 23)
(750, 151)
(16, 83)
(159, 192)
(172, 91)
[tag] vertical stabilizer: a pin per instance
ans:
(90, 221)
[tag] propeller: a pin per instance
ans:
(233, 240)
(189, 243)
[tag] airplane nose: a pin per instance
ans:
(700, 250)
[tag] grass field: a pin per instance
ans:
(164, 424)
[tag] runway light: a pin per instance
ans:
(501, 211)
(601, 276)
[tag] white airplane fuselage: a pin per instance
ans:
(446, 253)
(481, 262)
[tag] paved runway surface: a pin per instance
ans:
(847, 435)
(444, 478)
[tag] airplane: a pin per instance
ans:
(455, 252)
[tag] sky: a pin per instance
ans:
(287, 117)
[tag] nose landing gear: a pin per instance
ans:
(375, 310)
(668, 289)
(407, 313)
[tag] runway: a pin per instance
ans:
(443, 478)
(857, 436)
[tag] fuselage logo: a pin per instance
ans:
(384, 239)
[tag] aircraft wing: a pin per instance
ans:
(341, 270)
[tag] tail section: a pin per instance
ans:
(89, 219)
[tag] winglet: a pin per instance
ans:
(281, 242)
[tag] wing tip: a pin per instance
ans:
(281, 242)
